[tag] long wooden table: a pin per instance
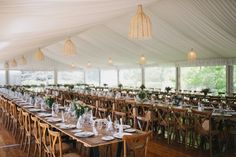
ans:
(91, 142)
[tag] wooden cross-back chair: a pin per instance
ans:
(27, 131)
(56, 145)
(181, 125)
(92, 104)
(43, 133)
(136, 145)
(163, 114)
(13, 118)
(36, 134)
(119, 110)
(203, 128)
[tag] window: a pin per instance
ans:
(234, 78)
(160, 77)
(198, 78)
(31, 77)
(92, 77)
(70, 77)
(109, 77)
(130, 77)
(2, 77)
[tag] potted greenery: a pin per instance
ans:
(142, 94)
(49, 101)
(168, 89)
(205, 91)
(80, 109)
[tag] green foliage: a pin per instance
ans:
(212, 77)
(49, 101)
(80, 109)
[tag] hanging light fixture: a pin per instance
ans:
(110, 62)
(6, 65)
(69, 48)
(39, 56)
(72, 65)
(13, 63)
(140, 25)
(23, 61)
(192, 55)
(89, 65)
(142, 60)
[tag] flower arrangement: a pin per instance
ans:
(80, 109)
(120, 85)
(49, 100)
(168, 89)
(142, 94)
(205, 91)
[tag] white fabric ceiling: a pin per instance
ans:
(99, 29)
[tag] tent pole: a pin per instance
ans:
(177, 80)
(229, 80)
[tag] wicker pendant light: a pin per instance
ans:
(23, 60)
(69, 48)
(89, 65)
(110, 62)
(140, 25)
(39, 56)
(142, 60)
(192, 55)
(6, 65)
(13, 63)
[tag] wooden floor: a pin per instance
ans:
(10, 148)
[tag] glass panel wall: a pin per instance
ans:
(2, 77)
(109, 77)
(130, 77)
(198, 78)
(70, 77)
(234, 78)
(17, 77)
(160, 77)
(92, 77)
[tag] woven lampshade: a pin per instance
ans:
(89, 65)
(69, 48)
(39, 56)
(23, 60)
(110, 62)
(13, 63)
(6, 65)
(142, 60)
(140, 25)
(192, 55)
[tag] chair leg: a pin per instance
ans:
(29, 144)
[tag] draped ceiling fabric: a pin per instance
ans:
(99, 29)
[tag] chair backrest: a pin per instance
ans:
(54, 138)
(43, 133)
(137, 144)
(35, 130)
(13, 110)
(26, 122)
(202, 121)
(20, 116)
(179, 116)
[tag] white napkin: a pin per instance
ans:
(62, 116)
(78, 125)
(121, 127)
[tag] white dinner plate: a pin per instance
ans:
(131, 130)
(28, 106)
(108, 138)
(67, 126)
(44, 114)
(124, 126)
(34, 110)
(76, 130)
(84, 134)
(117, 135)
(52, 119)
